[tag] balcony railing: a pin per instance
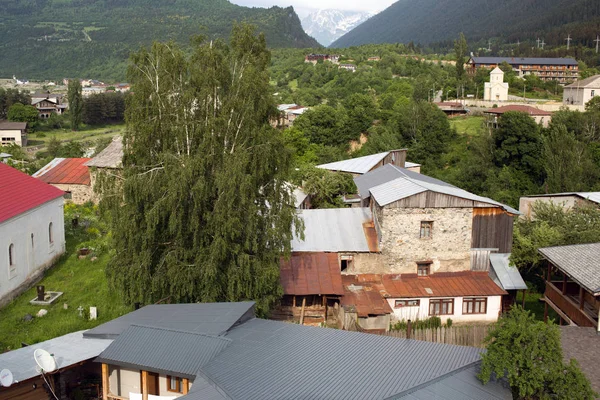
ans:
(568, 306)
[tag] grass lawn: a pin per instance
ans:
(471, 126)
(66, 135)
(533, 304)
(83, 283)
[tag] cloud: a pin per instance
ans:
(303, 7)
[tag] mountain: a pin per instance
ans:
(328, 25)
(52, 39)
(429, 21)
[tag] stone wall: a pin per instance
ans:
(365, 263)
(448, 248)
(79, 193)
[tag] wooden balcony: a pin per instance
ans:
(566, 306)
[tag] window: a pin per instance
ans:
(423, 268)
(346, 262)
(475, 305)
(50, 239)
(32, 240)
(426, 228)
(174, 384)
(441, 306)
(11, 255)
(593, 93)
(68, 195)
(407, 303)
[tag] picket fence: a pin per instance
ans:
(473, 335)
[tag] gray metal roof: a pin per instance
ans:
(333, 229)
(163, 350)
(68, 350)
(409, 183)
(277, 360)
(9, 126)
(110, 157)
(359, 165)
(48, 167)
(593, 82)
(462, 385)
(505, 275)
(524, 60)
(205, 389)
(581, 262)
(299, 197)
(206, 318)
(591, 196)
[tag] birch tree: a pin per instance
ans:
(204, 213)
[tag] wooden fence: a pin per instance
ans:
(458, 335)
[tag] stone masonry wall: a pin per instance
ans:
(79, 193)
(449, 245)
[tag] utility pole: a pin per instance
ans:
(543, 44)
(568, 39)
(538, 43)
(597, 41)
(489, 45)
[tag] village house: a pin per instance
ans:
(222, 351)
(580, 92)
(573, 283)
(70, 175)
(13, 133)
(348, 67)
(288, 113)
(494, 115)
(361, 165)
(565, 200)
(564, 70)
(48, 104)
(452, 109)
(32, 235)
(109, 161)
(314, 58)
(496, 89)
(374, 58)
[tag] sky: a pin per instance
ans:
(304, 7)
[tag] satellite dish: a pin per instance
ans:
(44, 360)
(6, 378)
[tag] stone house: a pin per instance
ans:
(580, 92)
(13, 133)
(70, 175)
(109, 162)
(32, 235)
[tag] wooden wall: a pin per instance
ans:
(25, 390)
(492, 228)
(435, 200)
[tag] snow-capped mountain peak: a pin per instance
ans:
(328, 25)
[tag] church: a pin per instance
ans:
(496, 89)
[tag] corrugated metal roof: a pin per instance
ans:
(462, 385)
(65, 171)
(20, 192)
(206, 318)
(524, 60)
(277, 360)
(299, 197)
(408, 164)
(204, 389)
(311, 274)
(409, 183)
(163, 350)
(581, 262)
(441, 284)
(110, 157)
(9, 126)
(365, 295)
(593, 82)
(507, 276)
(333, 230)
(591, 196)
(359, 165)
(68, 350)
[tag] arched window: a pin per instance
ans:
(11, 255)
(50, 239)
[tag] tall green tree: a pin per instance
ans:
(75, 103)
(460, 52)
(23, 113)
(529, 354)
(204, 213)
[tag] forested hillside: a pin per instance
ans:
(428, 21)
(52, 39)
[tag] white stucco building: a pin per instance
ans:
(13, 133)
(496, 89)
(580, 92)
(32, 235)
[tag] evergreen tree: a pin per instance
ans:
(204, 212)
(75, 103)
(460, 51)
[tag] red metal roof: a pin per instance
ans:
(366, 294)
(66, 171)
(442, 284)
(518, 108)
(311, 274)
(20, 192)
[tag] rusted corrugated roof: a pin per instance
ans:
(311, 274)
(366, 293)
(442, 284)
(65, 171)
